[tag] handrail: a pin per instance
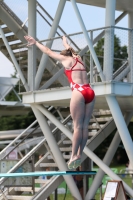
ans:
(19, 136)
(120, 69)
(58, 26)
(26, 157)
(20, 142)
(13, 15)
(78, 33)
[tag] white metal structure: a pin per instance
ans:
(110, 94)
(11, 108)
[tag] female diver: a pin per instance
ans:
(82, 99)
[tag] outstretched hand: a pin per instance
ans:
(65, 43)
(64, 40)
(30, 40)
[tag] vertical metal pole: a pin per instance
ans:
(121, 126)
(3, 194)
(33, 170)
(90, 45)
(44, 58)
(91, 61)
(85, 184)
(130, 45)
(86, 165)
(14, 59)
(32, 49)
(83, 51)
(56, 152)
(109, 39)
(87, 151)
(55, 195)
(100, 192)
(132, 179)
(107, 159)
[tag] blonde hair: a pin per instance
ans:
(66, 52)
(74, 53)
(69, 52)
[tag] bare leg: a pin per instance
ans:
(88, 112)
(77, 109)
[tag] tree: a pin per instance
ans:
(16, 122)
(119, 52)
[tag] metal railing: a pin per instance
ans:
(120, 62)
(13, 15)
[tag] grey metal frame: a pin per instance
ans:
(14, 60)
(53, 30)
(32, 49)
(87, 151)
(40, 111)
(88, 40)
(121, 126)
(109, 39)
(58, 25)
(55, 150)
(107, 159)
(130, 45)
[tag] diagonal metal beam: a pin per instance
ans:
(12, 21)
(90, 45)
(58, 157)
(46, 20)
(93, 144)
(72, 42)
(44, 58)
(83, 51)
(122, 74)
(117, 72)
(121, 126)
(107, 160)
(14, 60)
(20, 32)
(87, 151)
(54, 78)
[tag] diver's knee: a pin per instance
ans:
(85, 127)
(78, 127)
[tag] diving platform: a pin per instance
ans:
(48, 94)
(61, 96)
(9, 108)
(121, 5)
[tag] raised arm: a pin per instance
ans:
(67, 46)
(65, 43)
(44, 49)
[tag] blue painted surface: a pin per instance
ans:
(50, 173)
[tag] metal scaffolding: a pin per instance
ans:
(110, 91)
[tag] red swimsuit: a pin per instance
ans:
(85, 89)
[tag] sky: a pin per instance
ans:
(93, 17)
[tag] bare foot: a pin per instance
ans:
(78, 156)
(73, 158)
(74, 163)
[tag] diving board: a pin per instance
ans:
(50, 173)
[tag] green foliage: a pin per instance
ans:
(119, 52)
(130, 128)
(120, 156)
(103, 147)
(16, 122)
